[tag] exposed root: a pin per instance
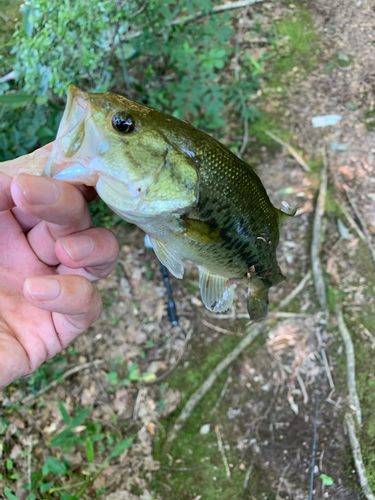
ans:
(255, 330)
(350, 365)
(291, 150)
(357, 456)
(317, 271)
(301, 285)
(362, 222)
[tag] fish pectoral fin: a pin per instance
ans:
(168, 257)
(257, 304)
(216, 296)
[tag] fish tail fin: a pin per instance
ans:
(257, 304)
(285, 213)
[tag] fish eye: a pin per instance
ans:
(123, 123)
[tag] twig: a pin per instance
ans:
(303, 388)
(255, 330)
(357, 456)
(223, 391)
(173, 368)
(317, 271)
(179, 469)
(281, 481)
(53, 384)
(301, 285)
(215, 10)
(362, 222)
(350, 365)
(216, 328)
(351, 221)
(138, 402)
(246, 481)
(245, 138)
(328, 371)
(187, 19)
(313, 452)
(222, 451)
(291, 150)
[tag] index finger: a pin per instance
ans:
(6, 201)
(61, 208)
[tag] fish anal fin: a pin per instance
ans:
(216, 296)
(168, 257)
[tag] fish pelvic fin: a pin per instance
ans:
(216, 296)
(257, 304)
(170, 258)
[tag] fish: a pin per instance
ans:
(193, 197)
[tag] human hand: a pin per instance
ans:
(49, 254)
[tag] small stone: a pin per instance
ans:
(205, 429)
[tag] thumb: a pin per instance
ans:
(32, 163)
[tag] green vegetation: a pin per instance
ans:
(205, 474)
(57, 477)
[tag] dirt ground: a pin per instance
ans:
(263, 408)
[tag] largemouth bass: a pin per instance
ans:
(194, 198)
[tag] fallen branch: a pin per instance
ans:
(255, 330)
(350, 365)
(187, 19)
(351, 221)
(362, 222)
(57, 382)
(291, 150)
(222, 451)
(316, 265)
(301, 285)
(357, 456)
(246, 481)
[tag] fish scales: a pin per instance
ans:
(194, 197)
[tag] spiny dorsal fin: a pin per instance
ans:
(216, 296)
(168, 257)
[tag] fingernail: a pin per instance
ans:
(38, 190)
(42, 288)
(78, 247)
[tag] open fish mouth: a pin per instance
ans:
(78, 143)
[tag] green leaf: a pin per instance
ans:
(55, 466)
(326, 480)
(45, 487)
(63, 438)
(16, 98)
(63, 412)
(112, 377)
(41, 99)
(80, 418)
(90, 451)
(9, 494)
(121, 447)
(9, 464)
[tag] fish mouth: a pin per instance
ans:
(78, 142)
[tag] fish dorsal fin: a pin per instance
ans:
(286, 212)
(168, 257)
(216, 296)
